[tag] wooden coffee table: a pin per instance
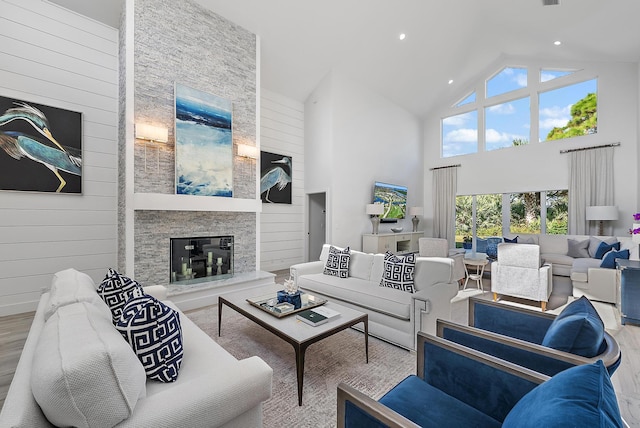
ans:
(299, 334)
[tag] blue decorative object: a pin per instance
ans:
(294, 299)
(492, 247)
(466, 245)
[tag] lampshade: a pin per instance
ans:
(602, 212)
(375, 209)
(145, 131)
(247, 151)
(416, 211)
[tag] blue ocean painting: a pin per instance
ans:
(204, 144)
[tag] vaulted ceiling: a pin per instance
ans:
(302, 41)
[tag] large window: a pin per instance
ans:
(511, 213)
(567, 107)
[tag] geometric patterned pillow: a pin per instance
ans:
(398, 272)
(337, 262)
(116, 290)
(154, 332)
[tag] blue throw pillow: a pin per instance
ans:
(604, 248)
(581, 396)
(609, 259)
(511, 241)
(578, 329)
(154, 332)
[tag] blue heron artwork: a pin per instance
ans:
(204, 143)
(275, 178)
(41, 147)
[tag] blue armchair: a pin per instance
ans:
(459, 387)
(539, 341)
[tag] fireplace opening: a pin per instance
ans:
(200, 259)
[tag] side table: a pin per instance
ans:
(479, 261)
(629, 290)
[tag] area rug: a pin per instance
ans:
(339, 358)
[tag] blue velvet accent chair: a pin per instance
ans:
(457, 386)
(539, 341)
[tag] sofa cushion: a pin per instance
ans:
(153, 330)
(116, 290)
(581, 396)
(83, 372)
(578, 249)
(609, 259)
(366, 294)
(557, 259)
(578, 329)
(594, 243)
(71, 286)
(360, 265)
(337, 263)
(399, 271)
(555, 244)
(604, 248)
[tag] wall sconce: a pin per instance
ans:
(151, 133)
(415, 212)
(247, 151)
(374, 210)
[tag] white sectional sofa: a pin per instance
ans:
(587, 277)
(108, 386)
(394, 315)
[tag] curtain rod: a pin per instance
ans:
(448, 166)
(589, 148)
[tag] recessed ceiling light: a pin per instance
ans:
(402, 36)
(450, 81)
(557, 43)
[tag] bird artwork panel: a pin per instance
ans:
(275, 178)
(41, 147)
(204, 143)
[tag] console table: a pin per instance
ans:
(629, 290)
(403, 242)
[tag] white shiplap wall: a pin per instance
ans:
(282, 225)
(51, 56)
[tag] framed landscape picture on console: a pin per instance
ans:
(41, 147)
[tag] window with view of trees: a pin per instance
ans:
(524, 211)
(563, 112)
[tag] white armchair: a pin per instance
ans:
(519, 272)
(439, 247)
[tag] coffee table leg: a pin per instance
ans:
(366, 339)
(219, 315)
(300, 351)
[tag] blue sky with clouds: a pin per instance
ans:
(511, 120)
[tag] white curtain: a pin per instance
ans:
(445, 186)
(590, 184)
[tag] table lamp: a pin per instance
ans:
(600, 213)
(415, 212)
(374, 210)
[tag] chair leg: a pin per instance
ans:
(543, 305)
(495, 297)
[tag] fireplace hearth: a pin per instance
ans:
(201, 259)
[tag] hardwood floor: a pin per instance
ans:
(626, 380)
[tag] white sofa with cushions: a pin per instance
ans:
(84, 372)
(394, 315)
(573, 256)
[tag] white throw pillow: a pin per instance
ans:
(84, 373)
(71, 286)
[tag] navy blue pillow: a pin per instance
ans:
(604, 248)
(609, 259)
(581, 396)
(154, 332)
(578, 329)
(511, 241)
